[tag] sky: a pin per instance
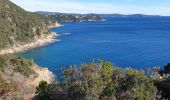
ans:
(149, 7)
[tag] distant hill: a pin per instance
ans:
(70, 17)
(18, 26)
(130, 15)
(75, 17)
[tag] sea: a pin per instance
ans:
(136, 42)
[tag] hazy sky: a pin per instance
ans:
(154, 7)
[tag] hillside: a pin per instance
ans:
(18, 27)
(21, 30)
(19, 77)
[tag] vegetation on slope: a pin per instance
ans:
(20, 65)
(19, 77)
(163, 85)
(100, 80)
(18, 26)
(13, 71)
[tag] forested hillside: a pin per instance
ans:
(19, 76)
(18, 26)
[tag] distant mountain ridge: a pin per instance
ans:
(76, 17)
(128, 15)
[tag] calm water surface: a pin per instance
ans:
(136, 42)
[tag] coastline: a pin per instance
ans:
(27, 86)
(55, 25)
(37, 42)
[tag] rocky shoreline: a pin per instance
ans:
(37, 42)
(55, 25)
(43, 75)
(26, 87)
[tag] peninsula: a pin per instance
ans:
(71, 17)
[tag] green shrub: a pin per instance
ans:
(24, 66)
(6, 86)
(43, 91)
(102, 80)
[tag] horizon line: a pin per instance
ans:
(104, 13)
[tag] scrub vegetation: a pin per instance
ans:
(103, 81)
(18, 26)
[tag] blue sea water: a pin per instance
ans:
(125, 41)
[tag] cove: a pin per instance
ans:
(139, 43)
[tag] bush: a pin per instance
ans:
(24, 66)
(43, 91)
(101, 80)
(167, 69)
